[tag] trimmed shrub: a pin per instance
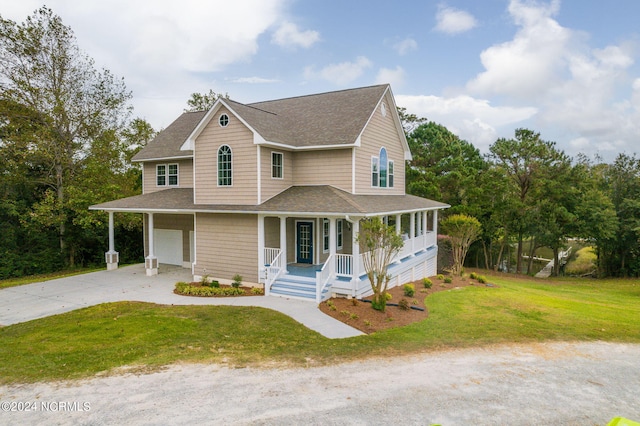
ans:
(473, 276)
(440, 277)
(448, 280)
(409, 290)
(426, 282)
(237, 281)
(482, 279)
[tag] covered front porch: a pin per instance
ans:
(316, 257)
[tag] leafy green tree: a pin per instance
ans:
(203, 101)
(462, 231)
(379, 243)
(59, 105)
(409, 121)
(444, 167)
(527, 161)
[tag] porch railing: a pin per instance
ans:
(324, 276)
(270, 254)
(344, 264)
(274, 271)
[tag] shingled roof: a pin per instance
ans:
(325, 119)
(168, 142)
(301, 200)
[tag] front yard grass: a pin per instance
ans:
(142, 336)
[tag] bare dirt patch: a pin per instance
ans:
(360, 315)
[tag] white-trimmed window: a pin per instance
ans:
(339, 233)
(325, 235)
(223, 120)
(225, 166)
(161, 175)
(277, 164)
(382, 170)
(167, 174)
(375, 171)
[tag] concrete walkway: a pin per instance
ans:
(130, 283)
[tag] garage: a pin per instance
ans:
(168, 246)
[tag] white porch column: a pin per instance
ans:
(261, 267)
(412, 230)
(399, 224)
(112, 256)
(435, 223)
(151, 261)
(355, 252)
(425, 229)
(283, 241)
(333, 241)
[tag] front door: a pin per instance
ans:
(304, 236)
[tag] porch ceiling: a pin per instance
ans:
(303, 200)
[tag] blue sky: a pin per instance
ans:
(567, 69)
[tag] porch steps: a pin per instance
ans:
(295, 286)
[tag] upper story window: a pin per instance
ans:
(223, 120)
(375, 171)
(224, 166)
(384, 167)
(277, 165)
(167, 175)
(382, 170)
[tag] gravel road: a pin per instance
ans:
(534, 384)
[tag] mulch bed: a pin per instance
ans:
(360, 315)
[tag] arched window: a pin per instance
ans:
(224, 166)
(384, 167)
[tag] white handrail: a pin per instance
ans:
(344, 264)
(274, 271)
(270, 254)
(324, 277)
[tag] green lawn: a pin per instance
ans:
(146, 336)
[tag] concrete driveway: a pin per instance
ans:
(130, 283)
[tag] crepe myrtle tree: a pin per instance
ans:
(462, 230)
(379, 244)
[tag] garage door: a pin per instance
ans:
(168, 246)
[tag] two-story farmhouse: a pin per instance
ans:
(275, 191)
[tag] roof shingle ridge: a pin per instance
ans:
(253, 107)
(318, 94)
(346, 196)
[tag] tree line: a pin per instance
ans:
(526, 189)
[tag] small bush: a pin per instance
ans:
(448, 280)
(388, 296)
(204, 281)
(190, 290)
(409, 290)
(354, 316)
(440, 277)
(354, 301)
(403, 304)
(473, 276)
(426, 282)
(214, 284)
(482, 279)
(257, 291)
(237, 281)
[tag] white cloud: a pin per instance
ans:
(405, 46)
(254, 80)
(576, 87)
(340, 74)
(527, 65)
(474, 120)
(288, 35)
(454, 21)
(394, 77)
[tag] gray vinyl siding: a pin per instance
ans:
(244, 163)
(380, 132)
(273, 186)
(325, 167)
(227, 244)
(185, 175)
